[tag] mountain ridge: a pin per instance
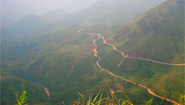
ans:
(153, 16)
(63, 60)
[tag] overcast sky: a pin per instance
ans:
(42, 6)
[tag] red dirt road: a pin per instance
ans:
(117, 76)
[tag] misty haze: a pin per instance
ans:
(92, 52)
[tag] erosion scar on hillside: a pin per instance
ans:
(46, 90)
(70, 72)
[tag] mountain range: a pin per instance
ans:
(140, 44)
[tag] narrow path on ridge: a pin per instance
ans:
(117, 76)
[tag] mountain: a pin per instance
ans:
(157, 35)
(11, 12)
(21, 29)
(166, 32)
(74, 6)
(5, 22)
(106, 12)
(54, 16)
(63, 59)
(111, 11)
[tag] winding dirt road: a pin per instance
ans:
(173, 64)
(114, 47)
(117, 76)
(126, 56)
(122, 61)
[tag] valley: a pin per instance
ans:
(56, 56)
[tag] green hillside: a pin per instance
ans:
(156, 35)
(63, 60)
(12, 87)
(20, 30)
(49, 58)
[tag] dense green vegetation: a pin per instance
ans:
(22, 99)
(140, 39)
(61, 58)
(11, 87)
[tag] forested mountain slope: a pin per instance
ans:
(150, 43)
(63, 59)
(158, 34)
